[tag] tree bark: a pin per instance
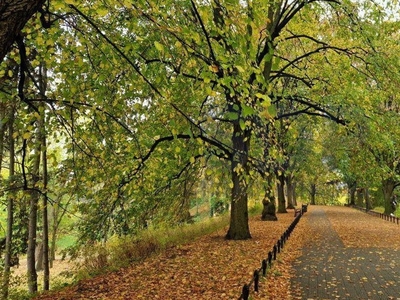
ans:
(32, 227)
(10, 207)
(360, 197)
(291, 199)
(13, 16)
(42, 136)
(368, 204)
(388, 186)
(281, 194)
(352, 193)
(46, 267)
(313, 191)
(239, 222)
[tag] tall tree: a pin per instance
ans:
(228, 53)
(10, 204)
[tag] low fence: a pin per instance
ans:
(389, 218)
(267, 262)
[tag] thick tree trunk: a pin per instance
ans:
(368, 205)
(360, 197)
(281, 194)
(290, 192)
(352, 193)
(388, 186)
(239, 222)
(313, 192)
(294, 195)
(13, 16)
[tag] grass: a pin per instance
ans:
(381, 209)
(120, 252)
(65, 241)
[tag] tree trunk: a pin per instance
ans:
(10, 206)
(368, 205)
(281, 194)
(14, 15)
(54, 229)
(388, 186)
(360, 197)
(42, 137)
(290, 192)
(352, 193)
(294, 195)
(39, 256)
(57, 216)
(3, 127)
(239, 222)
(313, 192)
(32, 227)
(46, 267)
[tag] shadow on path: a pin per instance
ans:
(328, 270)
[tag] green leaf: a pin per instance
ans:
(232, 116)
(242, 124)
(159, 46)
(262, 96)
(247, 110)
(272, 110)
(240, 69)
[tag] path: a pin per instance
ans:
(328, 269)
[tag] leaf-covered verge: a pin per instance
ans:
(208, 268)
(214, 268)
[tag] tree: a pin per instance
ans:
(232, 61)
(14, 15)
(10, 205)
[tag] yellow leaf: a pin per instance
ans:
(159, 46)
(240, 69)
(213, 68)
(26, 135)
(192, 160)
(101, 12)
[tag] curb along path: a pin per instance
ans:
(329, 270)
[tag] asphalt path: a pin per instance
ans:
(329, 270)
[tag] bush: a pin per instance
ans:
(120, 252)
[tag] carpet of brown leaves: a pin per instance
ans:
(214, 268)
(209, 268)
(361, 230)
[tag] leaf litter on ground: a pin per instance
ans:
(214, 268)
(210, 267)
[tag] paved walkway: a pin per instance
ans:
(328, 270)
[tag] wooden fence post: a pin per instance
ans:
(256, 276)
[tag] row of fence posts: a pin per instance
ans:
(380, 215)
(267, 262)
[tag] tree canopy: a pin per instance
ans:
(131, 108)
